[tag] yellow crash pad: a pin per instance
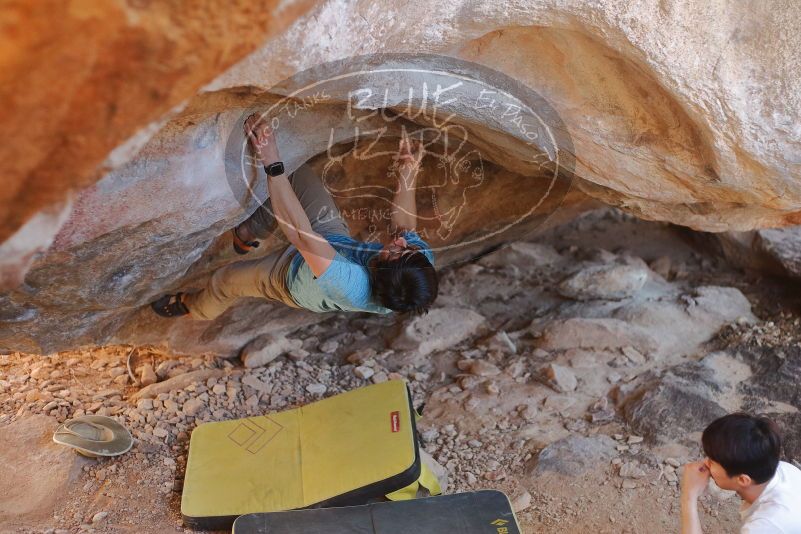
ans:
(340, 451)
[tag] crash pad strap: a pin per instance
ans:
(427, 479)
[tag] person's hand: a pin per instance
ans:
(694, 479)
(262, 138)
(410, 153)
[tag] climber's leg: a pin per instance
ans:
(262, 277)
(260, 225)
(316, 201)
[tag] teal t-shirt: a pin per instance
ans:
(345, 284)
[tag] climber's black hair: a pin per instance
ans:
(744, 445)
(405, 284)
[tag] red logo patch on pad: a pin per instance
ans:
(394, 419)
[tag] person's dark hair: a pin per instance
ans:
(744, 444)
(405, 284)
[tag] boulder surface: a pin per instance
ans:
(121, 187)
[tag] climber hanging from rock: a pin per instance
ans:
(323, 268)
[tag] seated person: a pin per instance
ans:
(742, 455)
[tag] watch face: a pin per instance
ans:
(275, 169)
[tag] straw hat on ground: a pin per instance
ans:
(94, 436)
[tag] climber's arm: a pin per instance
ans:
(404, 217)
(287, 209)
(297, 228)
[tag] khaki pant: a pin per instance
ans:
(266, 277)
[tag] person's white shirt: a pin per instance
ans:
(778, 509)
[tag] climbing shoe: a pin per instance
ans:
(170, 306)
(240, 246)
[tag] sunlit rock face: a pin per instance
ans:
(684, 113)
(680, 113)
(82, 95)
(159, 223)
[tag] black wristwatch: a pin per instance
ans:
(274, 169)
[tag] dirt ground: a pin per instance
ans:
(48, 489)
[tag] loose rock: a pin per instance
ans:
(193, 407)
(316, 389)
(631, 470)
(521, 502)
(147, 376)
(256, 383)
(609, 282)
(526, 256)
(267, 348)
(561, 378)
(575, 454)
(363, 372)
(483, 368)
(439, 329)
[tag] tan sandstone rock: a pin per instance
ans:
(439, 329)
(35, 473)
(85, 93)
(685, 113)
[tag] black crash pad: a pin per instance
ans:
(478, 512)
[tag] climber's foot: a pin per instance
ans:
(170, 306)
(240, 245)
